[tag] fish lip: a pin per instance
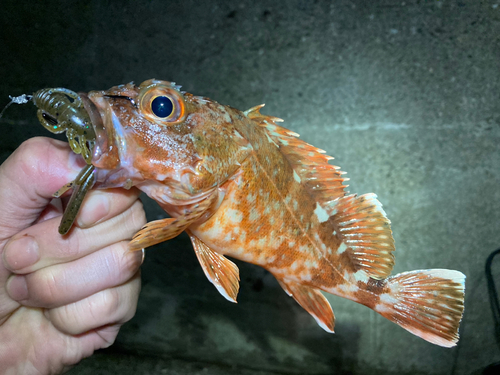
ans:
(97, 124)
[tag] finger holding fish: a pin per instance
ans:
(81, 264)
(114, 305)
(106, 218)
(69, 282)
(80, 288)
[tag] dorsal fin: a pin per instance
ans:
(324, 180)
(362, 223)
(254, 114)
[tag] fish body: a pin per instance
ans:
(244, 187)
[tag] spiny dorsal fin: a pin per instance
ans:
(254, 114)
(323, 180)
(362, 223)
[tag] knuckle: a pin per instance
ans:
(46, 288)
(70, 248)
(134, 218)
(77, 245)
(32, 147)
(64, 318)
(128, 261)
(29, 151)
(111, 302)
(36, 149)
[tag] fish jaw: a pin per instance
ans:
(115, 152)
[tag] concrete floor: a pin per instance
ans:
(405, 95)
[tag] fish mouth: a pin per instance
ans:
(96, 120)
(103, 155)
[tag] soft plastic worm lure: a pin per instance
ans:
(62, 110)
(80, 185)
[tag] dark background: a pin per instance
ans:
(405, 95)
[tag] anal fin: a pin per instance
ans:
(221, 272)
(313, 302)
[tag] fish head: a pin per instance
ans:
(155, 134)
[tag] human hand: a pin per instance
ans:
(61, 298)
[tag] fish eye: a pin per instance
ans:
(162, 106)
(162, 103)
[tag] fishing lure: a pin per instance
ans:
(62, 110)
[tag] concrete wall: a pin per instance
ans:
(405, 95)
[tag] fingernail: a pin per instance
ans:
(95, 208)
(17, 288)
(20, 253)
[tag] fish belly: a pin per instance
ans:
(268, 219)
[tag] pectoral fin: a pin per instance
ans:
(313, 302)
(155, 232)
(221, 272)
(162, 230)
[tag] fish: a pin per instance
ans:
(244, 187)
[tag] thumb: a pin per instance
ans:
(29, 177)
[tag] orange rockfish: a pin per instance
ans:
(242, 186)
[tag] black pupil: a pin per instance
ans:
(162, 106)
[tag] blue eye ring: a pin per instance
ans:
(162, 106)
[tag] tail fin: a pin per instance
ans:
(427, 303)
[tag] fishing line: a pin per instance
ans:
(21, 99)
